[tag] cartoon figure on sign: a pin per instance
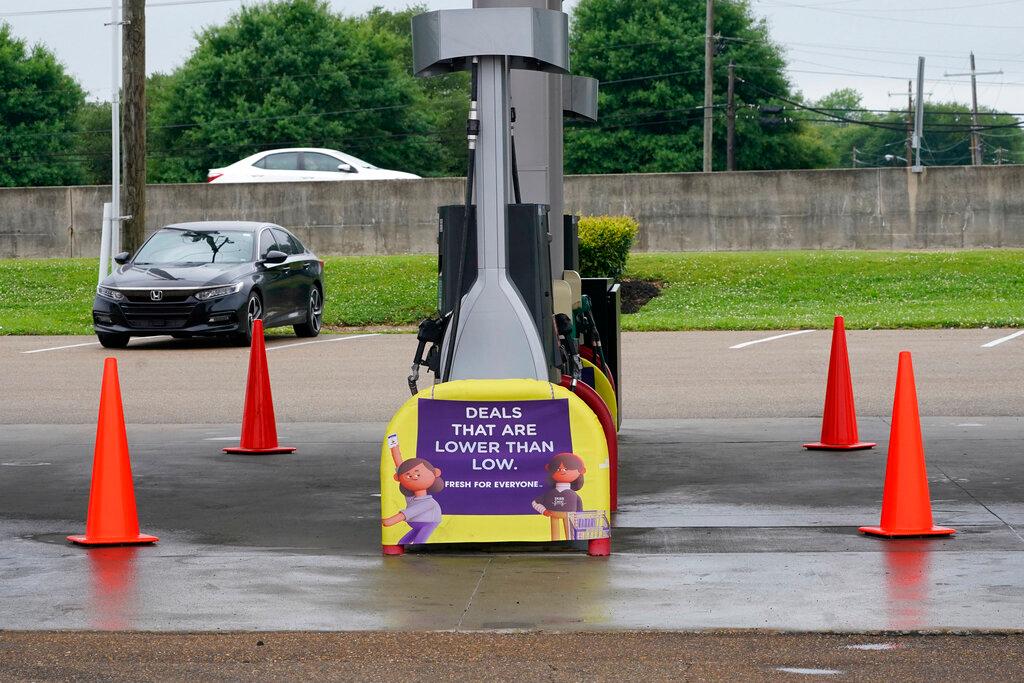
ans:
(565, 472)
(417, 480)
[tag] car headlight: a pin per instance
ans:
(218, 292)
(108, 293)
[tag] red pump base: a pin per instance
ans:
(599, 547)
(596, 403)
(393, 550)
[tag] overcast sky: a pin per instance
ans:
(870, 45)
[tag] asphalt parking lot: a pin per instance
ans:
(361, 378)
(724, 521)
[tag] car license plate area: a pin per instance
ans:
(151, 323)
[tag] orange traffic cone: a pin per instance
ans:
(839, 423)
(906, 506)
(259, 430)
(112, 518)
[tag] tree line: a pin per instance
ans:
(293, 73)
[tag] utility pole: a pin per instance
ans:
(853, 157)
(976, 157)
(999, 156)
(730, 148)
(910, 119)
(134, 123)
(709, 52)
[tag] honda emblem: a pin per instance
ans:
(156, 295)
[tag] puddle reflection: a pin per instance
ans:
(907, 564)
(112, 591)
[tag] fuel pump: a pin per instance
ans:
(492, 449)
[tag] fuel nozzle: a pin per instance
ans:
(431, 331)
(567, 340)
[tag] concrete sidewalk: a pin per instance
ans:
(417, 656)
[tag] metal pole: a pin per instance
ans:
(709, 30)
(104, 244)
(975, 137)
(919, 117)
(115, 118)
(730, 148)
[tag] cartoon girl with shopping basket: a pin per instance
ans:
(565, 472)
(417, 480)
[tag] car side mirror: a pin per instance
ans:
(123, 257)
(346, 168)
(274, 257)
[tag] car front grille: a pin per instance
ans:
(170, 296)
(157, 316)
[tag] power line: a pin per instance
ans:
(106, 8)
(873, 124)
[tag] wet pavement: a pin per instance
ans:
(723, 524)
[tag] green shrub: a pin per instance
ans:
(605, 242)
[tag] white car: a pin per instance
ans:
(301, 164)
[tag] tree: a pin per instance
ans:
(649, 56)
(881, 139)
(291, 74)
(39, 105)
(92, 142)
(446, 95)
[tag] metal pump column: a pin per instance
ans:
(493, 310)
(541, 100)
(496, 336)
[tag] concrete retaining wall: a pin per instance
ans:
(949, 207)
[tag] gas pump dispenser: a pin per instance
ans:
(503, 446)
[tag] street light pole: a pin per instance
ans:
(115, 126)
(919, 117)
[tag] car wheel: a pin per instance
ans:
(253, 312)
(113, 340)
(314, 315)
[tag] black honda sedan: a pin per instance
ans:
(211, 278)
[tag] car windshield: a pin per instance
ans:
(176, 246)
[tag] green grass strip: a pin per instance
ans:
(702, 291)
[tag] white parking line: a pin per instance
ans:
(58, 348)
(997, 342)
(321, 341)
(768, 339)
